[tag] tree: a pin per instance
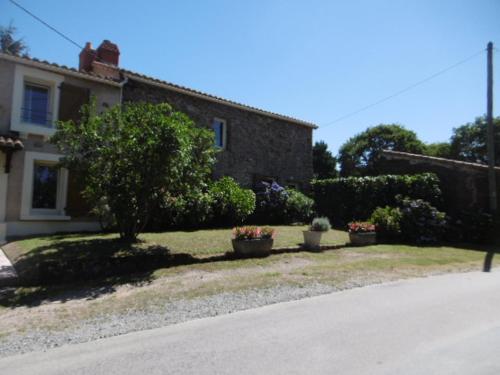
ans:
(438, 149)
(324, 163)
(468, 141)
(9, 44)
(361, 154)
(133, 154)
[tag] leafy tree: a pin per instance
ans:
(468, 141)
(324, 163)
(133, 154)
(361, 154)
(9, 44)
(438, 149)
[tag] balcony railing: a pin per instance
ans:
(42, 118)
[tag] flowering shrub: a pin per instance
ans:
(361, 227)
(421, 222)
(252, 233)
(277, 205)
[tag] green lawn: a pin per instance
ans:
(344, 267)
(27, 254)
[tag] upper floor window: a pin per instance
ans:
(36, 103)
(219, 128)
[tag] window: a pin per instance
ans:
(36, 105)
(219, 128)
(44, 186)
(35, 101)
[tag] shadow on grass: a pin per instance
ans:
(69, 269)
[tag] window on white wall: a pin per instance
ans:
(45, 187)
(35, 101)
(36, 105)
(219, 128)
(45, 178)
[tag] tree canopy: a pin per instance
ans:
(8, 42)
(438, 149)
(324, 163)
(468, 141)
(360, 155)
(132, 154)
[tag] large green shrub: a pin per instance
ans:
(232, 203)
(132, 154)
(354, 198)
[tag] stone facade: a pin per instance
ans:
(464, 185)
(257, 146)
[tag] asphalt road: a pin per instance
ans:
(439, 325)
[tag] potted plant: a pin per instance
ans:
(254, 241)
(362, 233)
(312, 237)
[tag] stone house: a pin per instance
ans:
(38, 197)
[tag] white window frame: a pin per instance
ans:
(24, 75)
(29, 213)
(224, 131)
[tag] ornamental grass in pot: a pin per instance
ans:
(253, 241)
(312, 237)
(362, 233)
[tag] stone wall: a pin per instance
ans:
(464, 185)
(257, 145)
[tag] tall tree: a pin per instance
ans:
(468, 141)
(8, 42)
(438, 149)
(132, 154)
(324, 163)
(360, 155)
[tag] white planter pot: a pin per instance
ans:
(312, 239)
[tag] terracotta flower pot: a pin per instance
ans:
(312, 239)
(260, 247)
(363, 239)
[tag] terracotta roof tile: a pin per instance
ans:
(10, 142)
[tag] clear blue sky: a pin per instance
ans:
(315, 60)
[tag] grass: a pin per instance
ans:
(27, 254)
(54, 307)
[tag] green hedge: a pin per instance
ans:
(355, 198)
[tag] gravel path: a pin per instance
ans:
(171, 313)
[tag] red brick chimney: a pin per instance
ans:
(87, 56)
(103, 61)
(108, 53)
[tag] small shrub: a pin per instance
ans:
(298, 207)
(387, 221)
(232, 203)
(320, 224)
(421, 222)
(361, 227)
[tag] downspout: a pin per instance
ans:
(122, 84)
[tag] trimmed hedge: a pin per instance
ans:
(355, 198)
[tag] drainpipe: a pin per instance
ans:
(122, 84)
